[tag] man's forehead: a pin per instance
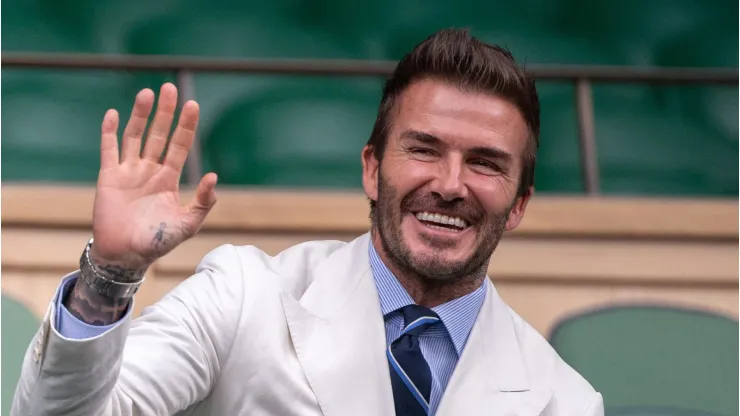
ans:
(430, 96)
(447, 112)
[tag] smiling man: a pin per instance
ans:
(402, 320)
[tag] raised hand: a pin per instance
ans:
(137, 214)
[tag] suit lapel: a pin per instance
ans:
(338, 332)
(490, 377)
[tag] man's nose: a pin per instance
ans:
(449, 183)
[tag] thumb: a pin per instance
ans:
(203, 200)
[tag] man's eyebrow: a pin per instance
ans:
(422, 137)
(432, 140)
(491, 153)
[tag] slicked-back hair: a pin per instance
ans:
(454, 57)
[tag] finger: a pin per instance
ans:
(183, 137)
(109, 141)
(203, 200)
(131, 147)
(205, 193)
(160, 128)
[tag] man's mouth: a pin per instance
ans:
(441, 222)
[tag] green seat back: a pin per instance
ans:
(651, 356)
(647, 147)
(673, 141)
(656, 411)
(19, 326)
(51, 121)
(307, 134)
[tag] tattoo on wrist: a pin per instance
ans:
(93, 308)
(120, 274)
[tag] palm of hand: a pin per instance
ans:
(137, 215)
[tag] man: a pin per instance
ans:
(402, 320)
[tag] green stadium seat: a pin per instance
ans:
(51, 121)
(683, 121)
(19, 327)
(647, 148)
(654, 357)
(717, 104)
(28, 26)
(307, 134)
(226, 34)
(558, 159)
(633, 28)
(656, 411)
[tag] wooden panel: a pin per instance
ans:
(346, 212)
(543, 305)
(33, 289)
(42, 249)
(516, 258)
(605, 261)
(609, 262)
(570, 253)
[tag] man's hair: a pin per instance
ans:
(456, 58)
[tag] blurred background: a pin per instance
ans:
(627, 261)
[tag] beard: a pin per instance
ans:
(387, 215)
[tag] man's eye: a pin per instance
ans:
(421, 151)
(486, 165)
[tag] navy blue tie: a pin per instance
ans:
(410, 374)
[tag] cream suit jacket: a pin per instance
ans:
(300, 333)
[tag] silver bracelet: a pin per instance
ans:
(103, 285)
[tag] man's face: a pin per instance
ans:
(446, 187)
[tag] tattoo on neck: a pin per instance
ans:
(93, 308)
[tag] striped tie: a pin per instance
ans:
(410, 374)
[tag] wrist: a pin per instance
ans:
(110, 280)
(119, 271)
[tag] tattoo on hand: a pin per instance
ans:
(93, 308)
(160, 239)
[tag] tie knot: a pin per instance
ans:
(416, 319)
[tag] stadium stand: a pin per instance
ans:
(651, 140)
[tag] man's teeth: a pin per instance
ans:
(441, 219)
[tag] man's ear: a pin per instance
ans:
(370, 166)
(517, 211)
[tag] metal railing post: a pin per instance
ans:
(587, 136)
(193, 165)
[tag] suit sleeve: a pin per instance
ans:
(596, 407)
(163, 362)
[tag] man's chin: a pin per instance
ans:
(437, 266)
(445, 248)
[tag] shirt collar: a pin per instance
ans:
(457, 315)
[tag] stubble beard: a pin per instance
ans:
(387, 218)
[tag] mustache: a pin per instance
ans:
(462, 208)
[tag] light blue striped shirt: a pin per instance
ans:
(441, 344)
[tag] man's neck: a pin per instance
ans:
(425, 291)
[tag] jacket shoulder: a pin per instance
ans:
(293, 266)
